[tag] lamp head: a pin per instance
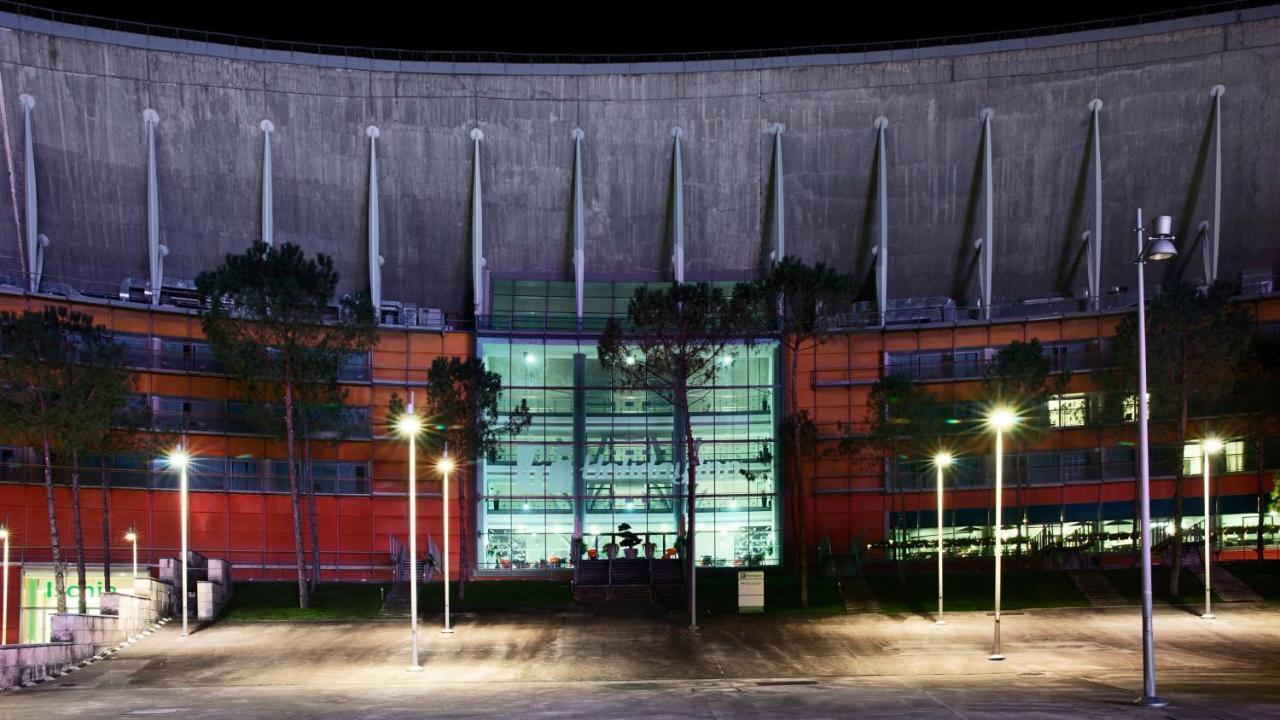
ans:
(1162, 247)
(1002, 418)
(1211, 445)
(4, 533)
(131, 536)
(445, 465)
(178, 458)
(409, 425)
(942, 459)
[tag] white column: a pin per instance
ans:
(267, 215)
(36, 242)
(1211, 250)
(155, 251)
(779, 214)
(375, 229)
(988, 216)
(677, 211)
(478, 290)
(1094, 239)
(579, 224)
(882, 215)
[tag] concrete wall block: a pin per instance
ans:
(1155, 90)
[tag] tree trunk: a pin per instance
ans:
(311, 513)
(460, 485)
(78, 526)
(691, 462)
(55, 547)
(798, 486)
(1261, 549)
(295, 497)
(106, 529)
(1175, 571)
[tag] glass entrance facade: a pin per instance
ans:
(596, 457)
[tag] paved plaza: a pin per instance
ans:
(1061, 663)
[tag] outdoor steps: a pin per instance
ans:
(1096, 588)
(857, 595)
(1226, 586)
(396, 603)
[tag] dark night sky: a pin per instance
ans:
(610, 27)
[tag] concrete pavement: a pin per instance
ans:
(1061, 663)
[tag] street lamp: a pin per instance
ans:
(445, 466)
(409, 425)
(132, 537)
(1208, 446)
(941, 461)
(179, 459)
(1000, 419)
(4, 595)
(1159, 247)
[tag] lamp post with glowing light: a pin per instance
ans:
(941, 461)
(409, 425)
(1000, 420)
(445, 466)
(1160, 247)
(4, 596)
(178, 459)
(1209, 446)
(132, 538)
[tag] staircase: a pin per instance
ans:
(396, 603)
(857, 595)
(629, 580)
(1226, 586)
(1096, 588)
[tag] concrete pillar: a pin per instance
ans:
(375, 248)
(579, 224)
(677, 208)
(479, 289)
(779, 211)
(882, 216)
(36, 243)
(156, 252)
(268, 215)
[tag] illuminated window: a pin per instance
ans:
(1067, 410)
(1232, 458)
(1131, 408)
(1233, 453)
(1191, 459)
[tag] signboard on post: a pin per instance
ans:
(751, 592)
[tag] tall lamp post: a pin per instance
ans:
(1208, 446)
(1159, 247)
(409, 425)
(445, 466)
(941, 461)
(178, 459)
(1000, 420)
(132, 538)
(4, 595)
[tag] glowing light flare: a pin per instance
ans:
(4, 533)
(179, 458)
(130, 537)
(1002, 418)
(1212, 446)
(943, 459)
(409, 425)
(445, 465)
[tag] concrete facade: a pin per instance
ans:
(1157, 152)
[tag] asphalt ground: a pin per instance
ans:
(1060, 663)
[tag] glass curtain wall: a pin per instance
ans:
(596, 457)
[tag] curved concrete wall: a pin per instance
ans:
(90, 147)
